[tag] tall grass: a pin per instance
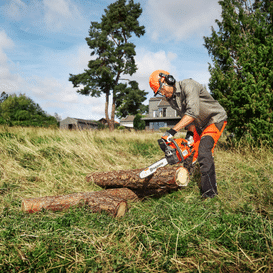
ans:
(175, 233)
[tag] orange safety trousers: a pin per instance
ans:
(212, 131)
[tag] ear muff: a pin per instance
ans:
(170, 80)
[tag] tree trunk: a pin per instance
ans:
(112, 201)
(109, 121)
(162, 181)
(113, 114)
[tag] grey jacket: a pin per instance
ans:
(192, 99)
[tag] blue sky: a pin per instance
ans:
(43, 41)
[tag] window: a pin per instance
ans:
(164, 112)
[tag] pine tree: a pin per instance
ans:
(242, 71)
(109, 42)
(129, 99)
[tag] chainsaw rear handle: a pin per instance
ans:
(178, 149)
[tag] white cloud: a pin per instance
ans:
(178, 19)
(5, 41)
(45, 15)
(14, 9)
(51, 93)
(60, 95)
(147, 62)
(59, 14)
(79, 58)
(9, 82)
(59, 7)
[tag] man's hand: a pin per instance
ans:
(169, 134)
(189, 138)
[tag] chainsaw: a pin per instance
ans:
(176, 151)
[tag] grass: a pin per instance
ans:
(175, 233)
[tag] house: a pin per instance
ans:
(128, 121)
(76, 123)
(161, 114)
(104, 121)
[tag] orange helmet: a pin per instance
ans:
(156, 78)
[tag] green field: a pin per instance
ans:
(175, 233)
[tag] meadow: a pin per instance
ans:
(178, 232)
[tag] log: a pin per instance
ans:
(112, 201)
(164, 179)
(123, 193)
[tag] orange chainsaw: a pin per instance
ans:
(176, 151)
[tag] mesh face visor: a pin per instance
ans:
(161, 84)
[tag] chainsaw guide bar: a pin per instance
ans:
(152, 169)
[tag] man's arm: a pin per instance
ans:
(186, 120)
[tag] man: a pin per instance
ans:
(202, 116)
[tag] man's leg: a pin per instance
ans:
(191, 160)
(209, 138)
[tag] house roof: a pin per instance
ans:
(75, 120)
(128, 118)
(163, 102)
(155, 98)
(86, 120)
(105, 121)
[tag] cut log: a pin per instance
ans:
(112, 201)
(164, 179)
(112, 205)
(123, 193)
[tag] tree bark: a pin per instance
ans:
(112, 201)
(109, 120)
(162, 181)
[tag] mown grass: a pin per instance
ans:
(175, 233)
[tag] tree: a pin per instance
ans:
(138, 123)
(3, 96)
(23, 111)
(242, 72)
(129, 99)
(109, 42)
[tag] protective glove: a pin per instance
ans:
(189, 138)
(169, 134)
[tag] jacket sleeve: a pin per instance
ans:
(192, 100)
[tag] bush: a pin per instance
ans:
(139, 124)
(23, 111)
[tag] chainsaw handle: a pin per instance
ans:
(178, 149)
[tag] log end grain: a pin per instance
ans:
(121, 209)
(182, 177)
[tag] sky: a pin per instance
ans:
(43, 41)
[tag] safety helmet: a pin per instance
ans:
(157, 77)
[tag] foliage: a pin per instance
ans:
(242, 72)
(174, 233)
(129, 99)
(23, 111)
(121, 127)
(138, 123)
(3, 96)
(114, 56)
